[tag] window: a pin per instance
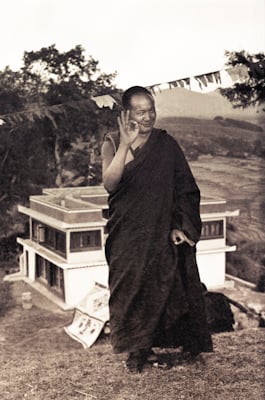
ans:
(38, 231)
(212, 229)
(50, 274)
(83, 241)
(34, 230)
(56, 277)
(49, 237)
(41, 268)
(105, 213)
(60, 241)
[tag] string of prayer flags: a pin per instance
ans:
(158, 87)
(201, 79)
(238, 73)
(187, 82)
(209, 77)
(217, 77)
(173, 84)
(104, 101)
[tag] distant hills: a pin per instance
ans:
(179, 102)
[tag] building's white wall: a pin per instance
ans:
(211, 244)
(212, 269)
(88, 257)
(32, 263)
(79, 280)
(22, 264)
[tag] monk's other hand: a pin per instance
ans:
(178, 237)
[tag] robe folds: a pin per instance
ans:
(155, 292)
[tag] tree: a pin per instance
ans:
(50, 128)
(55, 78)
(252, 91)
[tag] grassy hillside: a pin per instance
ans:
(229, 162)
(186, 103)
(219, 137)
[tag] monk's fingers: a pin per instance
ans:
(127, 117)
(190, 242)
(123, 119)
(126, 123)
(187, 240)
(178, 241)
(119, 122)
(175, 233)
(179, 237)
(133, 126)
(122, 127)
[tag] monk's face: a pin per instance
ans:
(142, 110)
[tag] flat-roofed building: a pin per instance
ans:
(64, 253)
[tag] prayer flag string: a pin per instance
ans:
(238, 74)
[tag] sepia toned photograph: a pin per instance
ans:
(132, 197)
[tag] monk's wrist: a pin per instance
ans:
(124, 146)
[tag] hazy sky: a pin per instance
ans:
(145, 41)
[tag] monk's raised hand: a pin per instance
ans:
(129, 129)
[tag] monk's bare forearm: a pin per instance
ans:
(113, 174)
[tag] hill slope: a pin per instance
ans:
(216, 137)
(228, 162)
(185, 103)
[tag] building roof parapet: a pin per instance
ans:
(76, 204)
(67, 209)
(79, 221)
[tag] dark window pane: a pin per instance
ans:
(88, 240)
(212, 229)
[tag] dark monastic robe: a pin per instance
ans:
(155, 292)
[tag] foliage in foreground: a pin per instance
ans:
(251, 91)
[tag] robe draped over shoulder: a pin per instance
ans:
(155, 291)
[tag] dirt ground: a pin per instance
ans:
(39, 361)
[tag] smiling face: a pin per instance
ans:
(142, 110)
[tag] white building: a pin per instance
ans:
(64, 253)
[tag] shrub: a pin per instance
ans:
(244, 267)
(231, 227)
(218, 118)
(6, 298)
(259, 148)
(236, 123)
(261, 283)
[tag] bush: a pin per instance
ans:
(6, 298)
(236, 147)
(261, 283)
(244, 267)
(236, 123)
(231, 227)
